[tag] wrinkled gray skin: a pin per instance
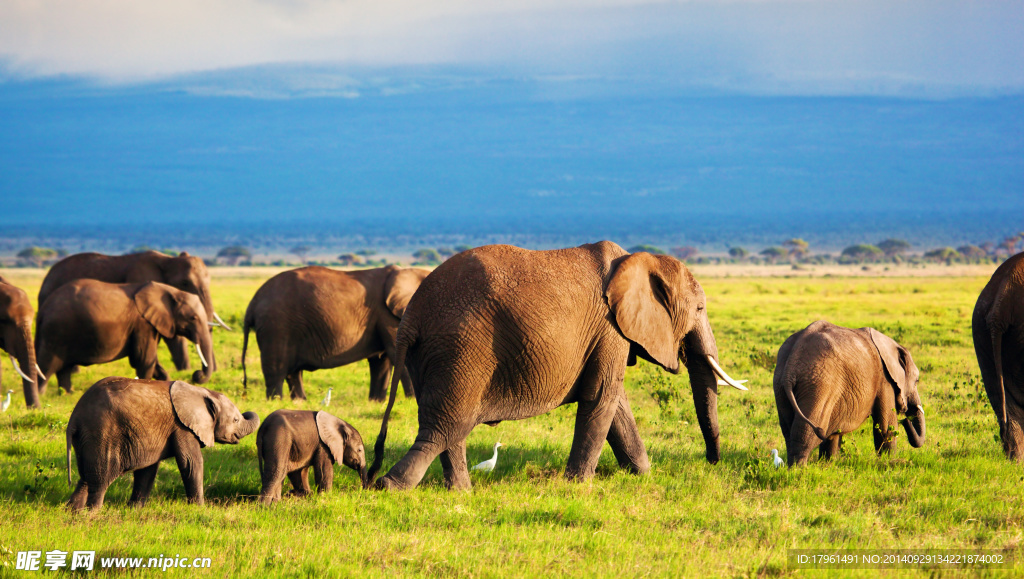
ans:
(829, 379)
(502, 333)
(89, 322)
(998, 328)
(121, 425)
(289, 442)
(16, 337)
(185, 272)
(314, 317)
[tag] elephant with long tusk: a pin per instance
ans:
(502, 333)
(16, 338)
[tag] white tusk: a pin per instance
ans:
(223, 325)
(17, 368)
(201, 358)
(40, 370)
(212, 325)
(724, 383)
(725, 377)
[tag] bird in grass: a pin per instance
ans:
(488, 465)
(7, 402)
(776, 459)
(327, 399)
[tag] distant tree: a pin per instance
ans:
(366, 252)
(1010, 243)
(426, 256)
(301, 251)
(774, 254)
(446, 252)
(234, 254)
(738, 253)
(37, 256)
(988, 247)
(350, 259)
(797, 247)
(647, 248)
(144, 248)
(893, 247)
(946, 254)
(861, 252)
(972, 252)
(684, 253)
(461, 248)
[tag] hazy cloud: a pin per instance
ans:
(777, 46)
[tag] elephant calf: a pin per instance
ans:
(121, 425)
(829, 379)
(291, 441)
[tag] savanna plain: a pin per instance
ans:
(686, 518)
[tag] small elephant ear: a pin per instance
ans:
(333, 432)
(195, 409)
(400, 286)
(156, 304)
(893, 356)
(640, 301)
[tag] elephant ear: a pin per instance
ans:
(640, 301)
(156, 304)
(195, 409)
(893, 358)
(400, 286)
(333, 433)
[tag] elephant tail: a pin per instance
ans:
(67, 455)
(246, 326)
(787, 385)
(995, 329)
(378, 447)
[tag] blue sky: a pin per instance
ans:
(890, 47)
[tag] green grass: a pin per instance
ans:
(734, 519)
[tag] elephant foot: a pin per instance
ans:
(386, 483)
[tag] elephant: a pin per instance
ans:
(185, 272)
(289, 442)
(829, 379)
(121, 425)
(998, 330)
(16, 338)
(89, 322)
(314, 317)
(503, 333)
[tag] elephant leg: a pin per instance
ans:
(159, 373)
(97, 492)
(274, 384)
(830, 447)
(178, 348)
(800, 442)
(77, 500)
(323, 471)
(272, 477)
(884, 418)
(456, 470)
(295, 385)
(409, 471)
(380, 370)
(624, 438)
(64, 379)
(407, 385)
(300, 481)
(142, 485)
(190, 464)
(593, 423)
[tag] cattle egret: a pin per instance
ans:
(488, 465)
(776, 459)
(7, 402)
(327, 399)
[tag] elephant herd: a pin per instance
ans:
(494, 333)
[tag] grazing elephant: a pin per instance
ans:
(185, 272)
(90, 322)
(829, 379)
(502, 333)
(122, 425)
(314, 317)
(289, 442)
(998, 328)
(16, 338)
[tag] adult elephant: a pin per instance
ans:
(185, 272)
(314, 317)
(91, 322)
(16, 337)
(502, 333)
(998, 328)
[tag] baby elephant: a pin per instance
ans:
(121, 425)
(291, 441)
(828, 379)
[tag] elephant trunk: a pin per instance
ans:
(362, 477)
(252, 422)
(698, 347)
(914, 424)
(23, 350)
(205, 347)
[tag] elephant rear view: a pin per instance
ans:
(502, 333)
(16, 338)
(121, 425)
(313, 318)
(829, 379)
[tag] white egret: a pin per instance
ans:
(7, 402)
(776, 459)
(488, 465)
(327, 399)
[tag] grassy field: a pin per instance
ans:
(735, 519)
